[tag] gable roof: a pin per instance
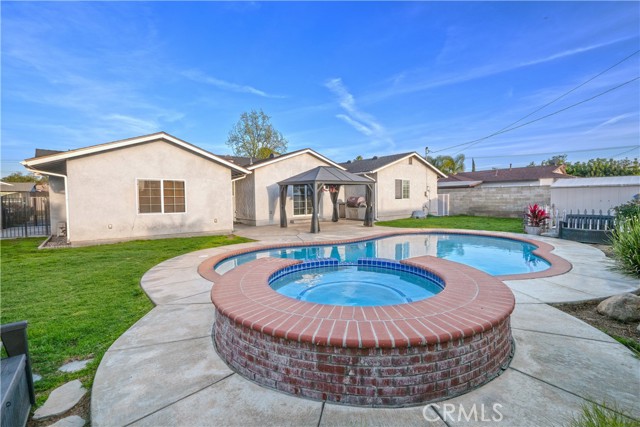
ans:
(327, 175)
(97, 149)
(376, 163)
(252, 164)
(529, 173)
(17, 187)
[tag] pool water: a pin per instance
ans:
(493, 255)
(352, 285)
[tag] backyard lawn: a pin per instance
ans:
(78, 301)
(463, 222)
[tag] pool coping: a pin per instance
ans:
(471, 302)
(141, 381)
(558, 265)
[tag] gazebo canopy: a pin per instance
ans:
(327, 175)
(316, 179)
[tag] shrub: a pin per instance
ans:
(605, 415)
(631, 209)
(537, 216)
(625, 240)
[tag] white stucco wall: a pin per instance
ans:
(592, 198)
(57, 206)
(259, 193)
(103, 194)
(423, 188)
(245, 201)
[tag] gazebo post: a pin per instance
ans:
(334, 201)
(368, 215)
(315, 224)
(283, 203)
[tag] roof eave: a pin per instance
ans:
(294, 154)
(95, 149)
(414, 154)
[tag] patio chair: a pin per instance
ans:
(17, 382)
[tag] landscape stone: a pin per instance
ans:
(72, 421)
(36, 377)
(623, 307)
(75, 366)
(61, 400)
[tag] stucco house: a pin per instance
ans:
(257, 195)
(159, 185)
(499, 192)
(141, 187)
(405, 182)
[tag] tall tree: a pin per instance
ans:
(254, 136)
(19, 177)
(473, 164)
(596, 167)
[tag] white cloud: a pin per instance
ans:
(361, 121)
(198, 76)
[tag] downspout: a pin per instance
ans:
(66, 196)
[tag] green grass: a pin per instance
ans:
(78, 301)
(605, 415)
(630, 343)
(463, 222)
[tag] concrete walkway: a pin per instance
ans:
(164, 370)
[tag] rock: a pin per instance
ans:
(72, 421)
(638, 328)
(61, 400)
(623, 307)
(75, 366)
(36, 377)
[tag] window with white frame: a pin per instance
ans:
(161, 196)
(302, 203)
(402, 189)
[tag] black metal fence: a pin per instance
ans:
(24, 215)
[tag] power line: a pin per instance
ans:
(625, 152)
(509, 127)
(470, 144)
(559, 152)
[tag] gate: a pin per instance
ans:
(24, 215)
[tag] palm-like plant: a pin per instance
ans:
(537, 216)
(448, 164)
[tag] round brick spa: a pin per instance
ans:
(383, 356)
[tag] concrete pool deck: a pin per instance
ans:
(165, 371)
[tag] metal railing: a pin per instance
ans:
(24, 215)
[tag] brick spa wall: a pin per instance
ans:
(507, 202)
(386, 356)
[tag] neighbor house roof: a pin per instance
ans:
(252, 164)
(327, 175)
(17, 187)
(530, 173)
(376, 163)
(51, 156)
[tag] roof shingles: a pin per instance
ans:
(530, 173)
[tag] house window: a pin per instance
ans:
(161, 196)
(302, 203)
(402, 189)
(410, 160)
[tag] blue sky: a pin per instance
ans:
(346, 79)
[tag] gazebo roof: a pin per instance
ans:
(326, 175)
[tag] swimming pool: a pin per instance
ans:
(369, 283)
(496, 256)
